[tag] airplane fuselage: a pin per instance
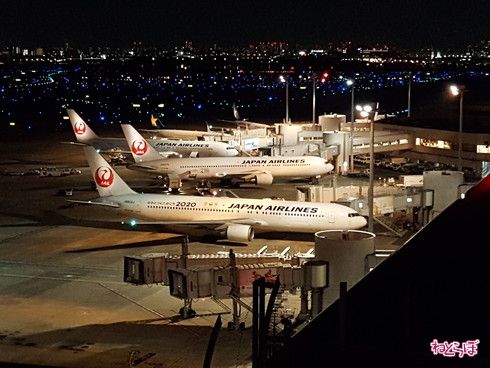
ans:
(209, 168)
(184, 148)
(262, 214)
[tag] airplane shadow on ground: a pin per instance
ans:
(196, 234)
(141, 244)
(157, 341)
(52, 218)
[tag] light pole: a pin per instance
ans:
(350, 83)
(314, 98)
(285, 80)
(367, 111)
(455, 91)
(409, 102)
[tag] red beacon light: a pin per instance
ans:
(325, 76)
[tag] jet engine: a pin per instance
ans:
(173, 182)
(194, 154)
(263, 179)
(239, 233)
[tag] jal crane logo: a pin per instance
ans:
(104, 176)
(139, 147)
(80, 127)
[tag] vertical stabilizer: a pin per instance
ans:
(236, 115)
(156, 122)
(140, 149)
(108, 182)
(82, 131)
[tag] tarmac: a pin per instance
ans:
(62, 295)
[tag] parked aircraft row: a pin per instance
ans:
(259, 170)
(235, 219)
(160, 131)
(166, 147)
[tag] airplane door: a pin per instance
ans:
(331, 218)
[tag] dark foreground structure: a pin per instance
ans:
(425, 306)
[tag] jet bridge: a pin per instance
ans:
(216, 276)
(229, 275)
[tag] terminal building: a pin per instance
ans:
(335, 139)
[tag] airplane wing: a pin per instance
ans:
(166, 133)
(111, 150)
(167, 154)
(143, 167)
(251, 124)
(260, 177)
(246, 123)
(97, 203)
(252, 173)
(222, 223)
(74, 143)
(246, 175)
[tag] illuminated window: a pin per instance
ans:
(482, 148)
(432, 143)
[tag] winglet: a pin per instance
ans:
(236, 115)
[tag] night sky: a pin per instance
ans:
(403, 23)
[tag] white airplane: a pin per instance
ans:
(161, 132)
(166, 147)
(260, 170)
(235, 219)
(244, 122)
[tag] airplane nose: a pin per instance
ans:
(357, 222)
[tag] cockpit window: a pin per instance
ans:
(230, 148)
(354, 214)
